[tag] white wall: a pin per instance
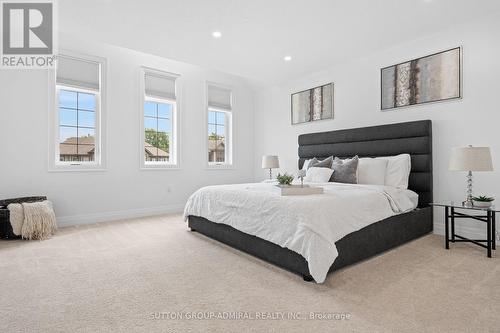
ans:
(123, 190)
(473, 120)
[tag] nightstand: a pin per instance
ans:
(450, 214)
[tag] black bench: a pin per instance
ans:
(5, 226)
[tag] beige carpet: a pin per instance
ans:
(134, 276)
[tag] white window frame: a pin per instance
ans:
(173, 163)
(229, 151)
(99, 163)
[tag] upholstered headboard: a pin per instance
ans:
(414, 138)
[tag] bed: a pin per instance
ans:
(414, 138)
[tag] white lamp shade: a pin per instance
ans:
(270, 162)
(471, 159)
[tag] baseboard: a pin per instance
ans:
(66, 221)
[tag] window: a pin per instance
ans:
(219, 143)
(217, 125)
(159, 119)
(77, 125)
(78, 114)
(157, 131)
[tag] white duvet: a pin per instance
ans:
(309, 224)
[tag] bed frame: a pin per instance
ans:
(414, 138)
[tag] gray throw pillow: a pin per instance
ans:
(344, 171)
(326, 163)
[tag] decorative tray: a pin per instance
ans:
(298, 189)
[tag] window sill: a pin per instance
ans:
(159, 167)
(220, 167)
(77, 169)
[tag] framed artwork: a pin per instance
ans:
(433, 78)
(312, 104)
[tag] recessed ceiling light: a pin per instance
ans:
(217, 34)
(287, 58)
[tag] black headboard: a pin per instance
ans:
(414, 138)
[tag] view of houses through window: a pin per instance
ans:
(157, 131)
(216, 136)
(77, 122)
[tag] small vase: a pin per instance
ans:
(483, 204)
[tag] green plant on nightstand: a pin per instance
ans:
(284, 179)
(483, 201)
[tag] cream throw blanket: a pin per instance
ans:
(33, 220)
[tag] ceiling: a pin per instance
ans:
(257, 34)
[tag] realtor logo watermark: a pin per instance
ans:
(27, 35)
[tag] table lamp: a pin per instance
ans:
(270, 162)
(470, 159)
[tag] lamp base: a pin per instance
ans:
(468, 201)
(467, 204)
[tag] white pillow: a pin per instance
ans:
(318, 175)
(306, 164)
(372, 171)
(398, 170)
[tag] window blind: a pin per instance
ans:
(219, 98)
(157, 85)
(78, 72)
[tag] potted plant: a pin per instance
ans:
(482, 201)
(284, 179)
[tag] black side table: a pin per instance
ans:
(472, 213)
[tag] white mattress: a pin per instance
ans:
(309, 225)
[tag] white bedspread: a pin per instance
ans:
(310, 224)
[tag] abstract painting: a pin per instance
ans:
(312, 104)
(429, 79)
